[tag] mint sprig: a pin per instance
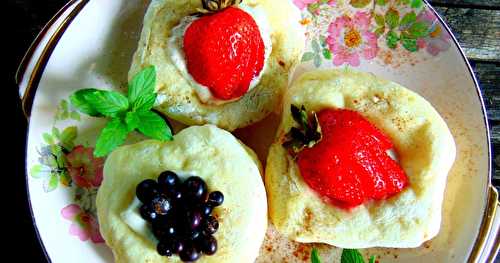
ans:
(126, 113)
(348, 256)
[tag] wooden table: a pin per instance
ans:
(476, 24)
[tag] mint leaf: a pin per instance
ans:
(360, 3)
(314, 256)
(392, 39)
(317, 60)
(79, 101)
(372, 259)
(315, 46)
(380, 2)
(351, 256)
(392, 18)
(56, 133)
(307, 56)
(75, 115)
(141, 90)
(49, 139)
(418, 29)
(112, 136)
(380, 31)
(108, 103)
(408, 19)
(322, 40)
(152, 125)
(64, 178)
(132, 121)
(68, 136)
(50, 184)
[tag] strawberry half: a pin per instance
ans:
(224, 51)
(350, 164)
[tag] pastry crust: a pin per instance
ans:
(425, 149)
(177, 97)
(206, 151)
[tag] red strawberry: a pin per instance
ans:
(349, 165)
(224, 51)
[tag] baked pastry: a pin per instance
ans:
(344, 188)
(227, 66)
(214, 155)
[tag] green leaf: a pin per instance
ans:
(380, 31)
(418, 29)
(379, 19)
(315, 46)
(307, 56)
(132, 120)
(372, 259)
(64, 178)
(409, 44)
(75, 115)
(36, 171)
(327, 54)
(51, 183)
(49, 139)
(317, 60)
(63, 105)
(381, 2)
(79, 101)
(56, 133)
(360, 3)
(392, 39)
(68, 136)
(322, 41)
(408, 19)
(152, 125)
(417, 3)
(108, 103)
(314, 256)
(392, 18)
(112, 136)
(141, 90)
(351, 256)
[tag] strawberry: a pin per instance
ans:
(224, 51)
(349, 164)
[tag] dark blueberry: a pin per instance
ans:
(163, 230)
(189, 253)
(208, 245)
(147, 213)
(178, 245)
(210, 225)
(146, 190)
(164, 248)
(161, 204)
(193, 219)
(175, 194)
(205, 209)
(195, 189)
(215, 198)
(192, 235)
(168, 179)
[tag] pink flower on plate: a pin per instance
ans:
(302, 4)
(84, 168)
(84, 225)
(349, 39)
(438, 39)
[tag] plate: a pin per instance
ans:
(90, 44)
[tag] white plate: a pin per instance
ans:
(90, 43)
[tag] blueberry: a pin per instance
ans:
(210, 225)
(164, 248)
(161, 204)
(208, 245)
(215, 198)
(146, 190)
(175, 194)
(205, 209)
(189, 253)
(178, 245)
(193, 219)
(195, 189)
(192, 235)
(168, 178)
(163, 230)
(147, 213)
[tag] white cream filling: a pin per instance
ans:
(175, 47)
(132, 217)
